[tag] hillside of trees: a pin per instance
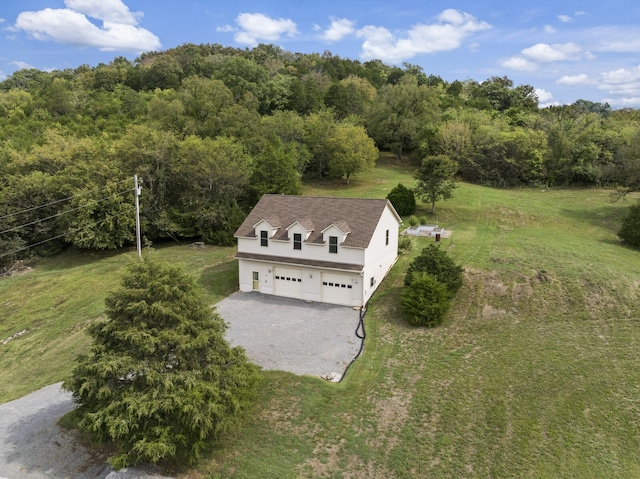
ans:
(209, 129)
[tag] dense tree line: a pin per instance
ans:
(209, 129)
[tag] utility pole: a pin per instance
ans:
(137, 191)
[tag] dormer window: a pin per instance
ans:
(297, 241)
(333, 244)
(386, 239)
(264, 238)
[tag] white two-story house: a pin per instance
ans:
(331, 250)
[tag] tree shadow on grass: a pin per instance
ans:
(608, 216)
(74, 258)
(221, 279)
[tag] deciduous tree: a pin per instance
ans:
(436, 179)
(351, 151)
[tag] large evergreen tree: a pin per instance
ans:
(160, 380)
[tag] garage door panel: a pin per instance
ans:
(337, 289)
(287, 282)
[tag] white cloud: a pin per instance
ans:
(623, 81)
(543, 95)
(624, 86)
(340, 28)
(447, 34)
(632, 102)
(71, 25)
(519, 64)
(22, 65)
(565, 18)
(540, 53)
(545, 53)
(622, 75)
(225, 29)
(549, 29)
(616, 39)
(256, 27)
(581, 79)
(474, 47)
(545, 98)
(112, 11)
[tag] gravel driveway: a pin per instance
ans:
(277, 333)
(292, 335)
(33, 446)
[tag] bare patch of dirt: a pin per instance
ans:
(325, 459)
(392, 412)
(282, 415)
(490, 313)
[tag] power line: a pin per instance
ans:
(40, 220)
(62, 235)
(60, 201)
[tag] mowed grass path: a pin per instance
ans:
(535, 372)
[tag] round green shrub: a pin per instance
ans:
(630, 230)
(436, 262)
(425, 301)
(403, 200)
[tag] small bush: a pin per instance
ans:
(413, 221)
(424, 220)
(630, 230)
(405, 245)
(402, 199)
(438, 263)
(425, 301)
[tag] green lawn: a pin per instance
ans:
(56, 300)
(534, 373)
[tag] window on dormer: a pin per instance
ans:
(264, 238)
(386, 239)
(297, 241)
(333, 244)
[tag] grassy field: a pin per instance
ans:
(55, 301)
(534, 373)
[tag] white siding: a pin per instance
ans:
(379, 256)
(312, 252)
(377, 259)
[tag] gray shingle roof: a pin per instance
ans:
(360, 215)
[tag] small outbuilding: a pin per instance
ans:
(325, 249)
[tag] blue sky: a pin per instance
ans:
(567, 50)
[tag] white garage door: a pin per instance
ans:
(337, 289)
(287, 282)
